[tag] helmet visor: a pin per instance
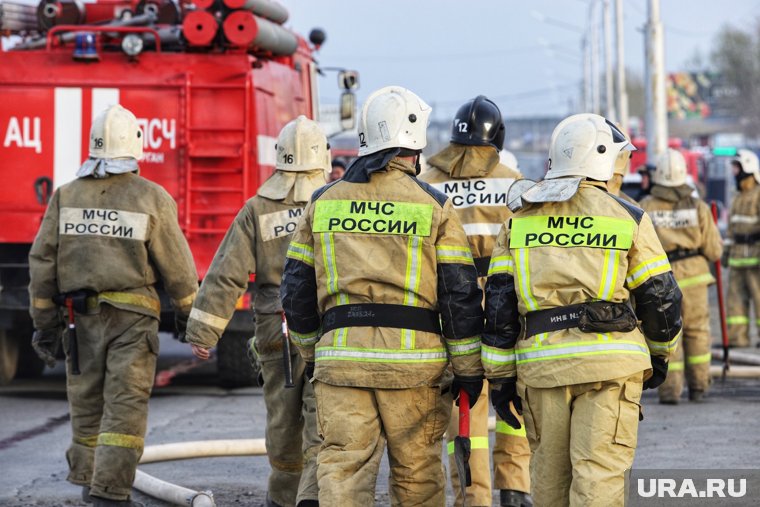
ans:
(618, 137)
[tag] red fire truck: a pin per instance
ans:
(210, 101)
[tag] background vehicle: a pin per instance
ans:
(211, 94)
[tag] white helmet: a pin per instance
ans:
(748, 160)
(508, 158)
(302, 146)
(585, 145)
(393, 117)
(671, 169)
(116, 134)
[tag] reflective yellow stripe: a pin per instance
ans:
(301, 252)
(219, 323)
(453, 254)
(496, 356)
(664, 347)
(327, 242)
(464, 347)
(364, 355)
(646, 270)
(700, 359)
(90, 441)
(579, 349)
(743, 263)
(609, 275)
(703, 279)
(125, 298)
(506, 429)
(675, 366)
(43, 303)
(412, 284)
(523, 277)
(501, 264)
(571, 232)
(304, 340)
(475, 443)
(185, 301)
(737, 319)
(121, 440)
(373, 217)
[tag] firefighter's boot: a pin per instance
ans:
(512, 498)
(105, 502)
(86, 498)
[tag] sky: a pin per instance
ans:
(449, 51)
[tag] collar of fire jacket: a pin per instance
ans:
(360, 169)
(292, 187)
(461, 161)
(671, 194)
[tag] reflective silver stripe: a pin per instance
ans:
(185, 301)
(341, 333)
(524, 279)
(304, 339)
(492, 355)
(412, 283)
(209, 319)
(647, 269)
(744, 219)
(481, 229)
(609, 272)
(579, 349)
(656, 346)
(501, 265)
(463, 347)
(301, 252)
(369, 355)
(43, 303)
(453, 254)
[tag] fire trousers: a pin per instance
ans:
(291, 434)
(743, 287)
(693, 350)
(583, 438)
(357, 423)
(511, 455)
(109, 400)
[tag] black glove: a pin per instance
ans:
(309, 370)
(46, 343)
(180, 326)
(502, 393)
(471, 385)
(659, 373)
(724, 258)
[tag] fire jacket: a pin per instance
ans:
(593, 247)
(116, 237)
(477, 185)
(256, 242)
(378, 260)
(744, 229)
(687, 232)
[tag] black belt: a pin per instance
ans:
(681, 253)
(592, 317)
(555, 319)
(746, 239)
(481, 265)
(377, 315)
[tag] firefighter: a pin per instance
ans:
(743, 249)
(470, 173)
(691, 241)
(379, 291)
(558, 306)
(622, 167)
(106, 239)
(256, 242)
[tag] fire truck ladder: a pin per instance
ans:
(198, 185)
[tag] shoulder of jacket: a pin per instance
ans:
(634, 211)
(433, 174)
(502, 170)
(437, 195)
(321, 190)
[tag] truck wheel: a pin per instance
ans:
(233, 365)
(8, 356)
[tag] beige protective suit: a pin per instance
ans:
(115, 237)
(477, 185)
(691, 240)
(256, 242)
(580, 390)
(744, 261)
(373, 270)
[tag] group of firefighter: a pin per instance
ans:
(405, 294)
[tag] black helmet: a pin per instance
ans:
(479, 123)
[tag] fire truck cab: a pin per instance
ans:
(210, 118)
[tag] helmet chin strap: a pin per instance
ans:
(406, 152)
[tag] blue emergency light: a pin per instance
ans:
(84, 47)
